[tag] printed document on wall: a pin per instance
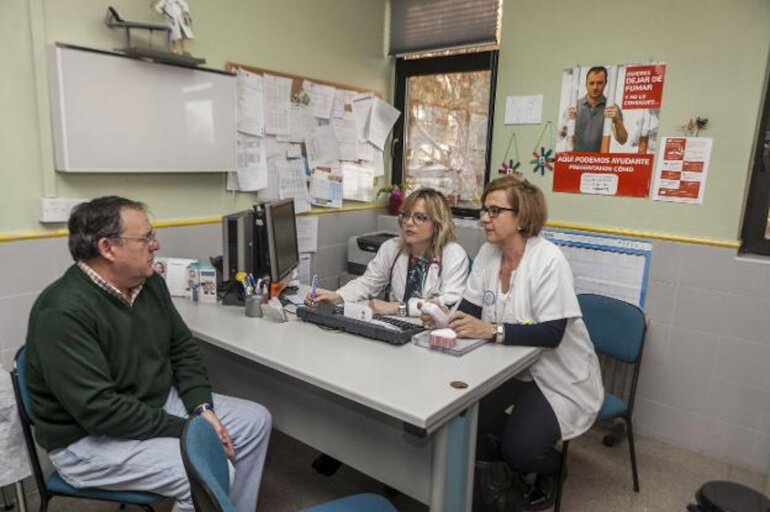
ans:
(362, 107)
(277, 98)
(321, 146)
(321, 98)
(381, 120)
(291, 178)
(251, 118)
(307, 234)
(682, 170)
(304, 267)
(357, 182)
(251, 171)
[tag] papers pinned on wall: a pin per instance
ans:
(316, 143)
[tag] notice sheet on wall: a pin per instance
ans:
(683, 164)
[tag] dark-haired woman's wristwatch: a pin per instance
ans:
(402, 309)
(499, 333)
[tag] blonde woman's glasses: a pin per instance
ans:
(417, 217)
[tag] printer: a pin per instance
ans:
(362, 248)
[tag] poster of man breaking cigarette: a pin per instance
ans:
(608, 128)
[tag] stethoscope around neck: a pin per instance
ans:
(432, 262)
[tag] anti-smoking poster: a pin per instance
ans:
(608, 128)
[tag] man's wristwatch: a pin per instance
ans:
(499, 333)
(203, 408)
(402, 309)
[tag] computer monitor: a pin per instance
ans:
(261, 241)
(281, 238)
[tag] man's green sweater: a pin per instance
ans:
(96, 366)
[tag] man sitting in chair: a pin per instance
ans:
(113, 370)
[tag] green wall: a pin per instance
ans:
(716, 51)
(337, 40)
(717, 56)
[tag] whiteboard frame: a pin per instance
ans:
(63, 117)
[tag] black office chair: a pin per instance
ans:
(617, 330)
(54, 485)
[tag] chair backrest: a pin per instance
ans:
(206, 465)
(617, 328)
(20, 389)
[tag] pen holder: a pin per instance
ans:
(254, 306)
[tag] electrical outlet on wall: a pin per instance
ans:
(57, 209)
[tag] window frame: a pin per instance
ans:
(755, 217)
(458, 63)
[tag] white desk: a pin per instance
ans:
(351, 397)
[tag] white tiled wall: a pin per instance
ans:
(705, 380)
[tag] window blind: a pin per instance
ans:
(421, 25)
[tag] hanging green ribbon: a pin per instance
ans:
(543, 152)
(509, 166)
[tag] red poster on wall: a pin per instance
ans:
(608, 129)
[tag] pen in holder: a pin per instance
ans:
(254, 306)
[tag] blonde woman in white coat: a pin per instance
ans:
(424, 263)
(520, 292)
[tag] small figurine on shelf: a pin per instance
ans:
(177, 14)
(396, 197)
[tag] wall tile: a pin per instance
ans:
(666, 261)
(14, 316)
(656, 342)
(653, 383)
(690, 348)
(28, 266)
(661, 300)
(751, 277)
(701, 310)
(729, 442)
(746, 317)
(708, 267)
(736, 403)
(676, 426)
(194, 242)
(743, 361)
(387, 223)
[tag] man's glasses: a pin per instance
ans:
(417, 217)
(147, 239)
(494, 210)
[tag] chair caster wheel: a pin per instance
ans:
(609, 440)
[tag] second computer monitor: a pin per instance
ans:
(281, 238)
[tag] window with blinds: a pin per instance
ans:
(423, 25)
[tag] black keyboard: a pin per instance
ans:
(398, 332)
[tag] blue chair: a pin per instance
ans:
(54, 485)
(617, 330)
(206, 465)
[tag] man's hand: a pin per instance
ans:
(468, 326)
(383, 308)
(612, 112)
(221, 432)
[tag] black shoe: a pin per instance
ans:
(496, 488)
(326, 465)
(543, 494)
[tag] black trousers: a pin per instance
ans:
(525, 439)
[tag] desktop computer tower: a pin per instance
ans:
(245, 243)
(237, 243)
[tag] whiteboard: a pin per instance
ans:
(113, 113)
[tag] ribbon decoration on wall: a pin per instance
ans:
(544, 156)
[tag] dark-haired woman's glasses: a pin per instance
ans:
(417, 217)
(493, 211)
